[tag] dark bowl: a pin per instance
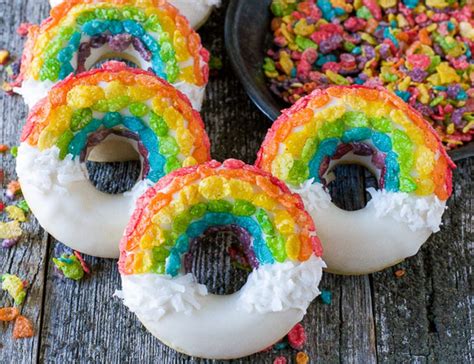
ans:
(247, 35)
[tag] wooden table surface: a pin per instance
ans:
(423, 317)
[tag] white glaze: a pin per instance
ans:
(182, 314)
(69, 207)
(196, 11)
(392, 227)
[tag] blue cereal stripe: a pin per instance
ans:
(135, 29)
(381, 142)
(198, 228)
(147, 137)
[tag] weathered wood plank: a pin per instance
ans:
(422, 317)
(27, 259)
(425, 317)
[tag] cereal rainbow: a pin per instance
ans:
(185, 204)
(153, 30)
(373, 123)
(83, 110)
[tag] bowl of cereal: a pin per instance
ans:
(421, 50)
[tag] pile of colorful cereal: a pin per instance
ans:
(421, 50)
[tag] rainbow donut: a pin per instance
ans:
(81, 112)
(279, 241)
(79, 33)
(378, 130)
(196, 11)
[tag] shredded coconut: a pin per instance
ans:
(418, 212)
(270, 288)
(314, 195)
(32, 91)
(282, 286)
(153, 295)
(45, 171)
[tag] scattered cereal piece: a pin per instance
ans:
(13, 189)
(6, 87)
(280, 360)
(23, 328)
(215, 63)
(8, 313)
(15, 213)
(302, 358)
(14, 151)
(9, 243)
(4, 56)
(70, 266)
(14, 286)
(4, 148)
(10, 230)
(84, 265)
(23, 29)
(24, 206)
(326, 297)
(297, 337)
(400, 273)
(282, 345)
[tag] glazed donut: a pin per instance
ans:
(196, 11)
(80, 33)
(79, 113)
(277, 236)
(378, 130)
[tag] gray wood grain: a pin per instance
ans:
(28, 258)
(424, 317)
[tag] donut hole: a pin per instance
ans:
(99, 51)
(215, 259)
(348, 178)
(129, 60)
(114, 166)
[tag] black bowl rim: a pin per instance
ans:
(231, 44)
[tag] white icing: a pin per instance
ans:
(154, 295)
(182, 314)
(194, 93)
(282, 286)
(418, 212)
(392, 227)
(69, 207)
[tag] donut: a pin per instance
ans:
(80, 33)
(81, 112)
(276, 234)
(196, 11)
(374, 128)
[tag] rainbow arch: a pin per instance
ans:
(162, 39)
(83, 110)
(370, 123)
(188, 202)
